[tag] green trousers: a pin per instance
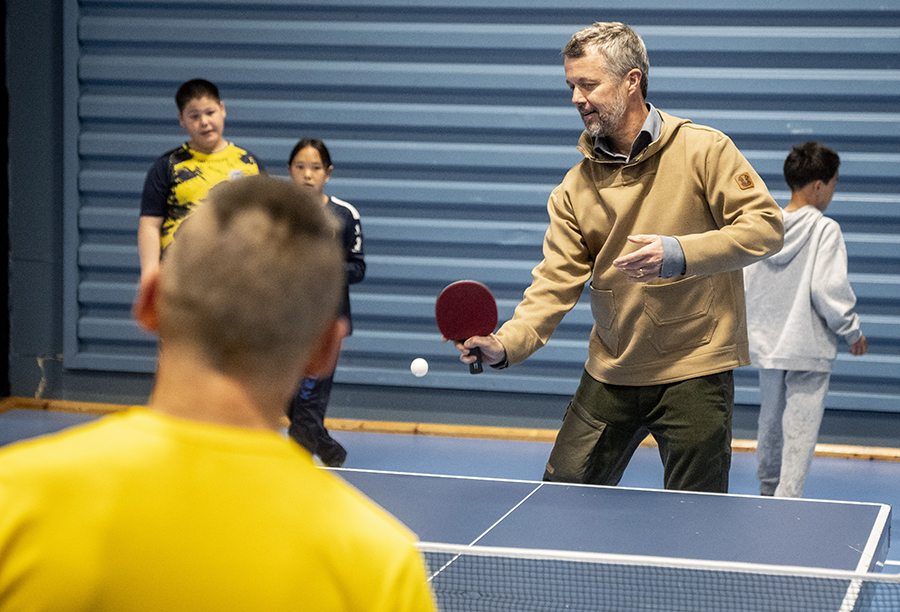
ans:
(690, 421)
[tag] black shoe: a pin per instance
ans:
(331, 453)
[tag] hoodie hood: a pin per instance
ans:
(798, 228)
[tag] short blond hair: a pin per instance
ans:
(253, 277)
(621, 46)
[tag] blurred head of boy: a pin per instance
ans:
(244, 303)
(202, 115)
(811, 171)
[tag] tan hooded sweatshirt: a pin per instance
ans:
(692, 183)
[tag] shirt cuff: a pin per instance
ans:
(853, 337)
(673, 258)
(503, 364)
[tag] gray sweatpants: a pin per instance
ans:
(791, 407)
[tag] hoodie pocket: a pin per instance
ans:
(680, 313)
(603, 309)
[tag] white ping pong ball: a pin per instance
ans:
(419, 367)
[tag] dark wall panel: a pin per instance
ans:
(449, 124)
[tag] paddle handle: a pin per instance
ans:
(475, 367)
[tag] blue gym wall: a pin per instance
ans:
(448, 127)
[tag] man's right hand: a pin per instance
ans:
(492, 350)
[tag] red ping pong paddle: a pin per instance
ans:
(464, 309)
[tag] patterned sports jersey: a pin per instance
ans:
(180, 179)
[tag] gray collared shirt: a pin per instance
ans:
(649, 132)
(673, 255)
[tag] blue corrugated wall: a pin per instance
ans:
(449, 124)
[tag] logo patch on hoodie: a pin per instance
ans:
(744, 181)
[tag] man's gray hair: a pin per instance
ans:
(621, 46)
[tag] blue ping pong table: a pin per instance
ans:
(727, 529)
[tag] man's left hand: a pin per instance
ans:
(644, 264)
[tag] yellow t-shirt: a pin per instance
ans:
(140, 511)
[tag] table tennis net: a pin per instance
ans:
(475, 579)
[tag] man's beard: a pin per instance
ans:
(607, 120)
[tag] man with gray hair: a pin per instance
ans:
(660, 217)
(199, 501)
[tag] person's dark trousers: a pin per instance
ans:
(307, 416)
(690, 420)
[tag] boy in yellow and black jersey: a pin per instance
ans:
(180, 179)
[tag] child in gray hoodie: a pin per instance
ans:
(799, 303)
